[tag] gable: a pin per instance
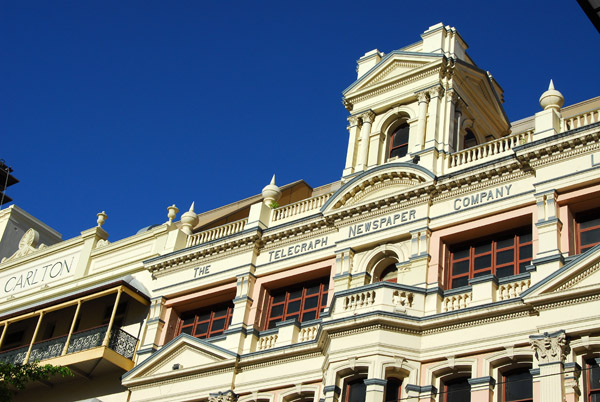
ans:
(394, 65)
(380, 183)
(580, 273)
(186, 353)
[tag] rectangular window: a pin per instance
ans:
(304, 302)
(207, 321)
(503, 255)
(457, 390)
(593, 381)
(518, 386)
(587, 227)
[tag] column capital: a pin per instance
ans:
(368, 116)
(452, 96)
(354, 120)
(550, 347)
(227, 396)
(436, 91)
(423, 97)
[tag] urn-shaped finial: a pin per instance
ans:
(101, 218)
(173, 210)
(552, 99)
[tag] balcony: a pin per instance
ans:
(119, 341)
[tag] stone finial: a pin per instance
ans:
(189, 220)
(552, 99)
(101, 218)
(550, 348)
(173, 210)
(271, 193)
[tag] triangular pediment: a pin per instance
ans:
(393, 66)
(183, 354)
(581, 273)
(380, 183)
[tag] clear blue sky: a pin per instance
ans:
(131, 106)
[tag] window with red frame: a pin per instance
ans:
(593, 380)
(457, 390)
(355, 391)
(502, 255)
(304, 302)
(588, 230)
(399, 141)
(207, 321)
(390, 274)
(393, 389)
(517, 386)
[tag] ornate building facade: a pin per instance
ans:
(457, 259)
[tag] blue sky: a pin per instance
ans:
(132, 106)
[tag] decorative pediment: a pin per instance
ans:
(182, 355)
(394, 65)
(381, 183)
(27, 245)
(582, 272)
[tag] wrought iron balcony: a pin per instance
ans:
(119, 341)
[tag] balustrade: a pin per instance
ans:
(300, 207)
(216, 233)
(456, 302)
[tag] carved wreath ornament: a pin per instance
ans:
(550, 348)
(27, 245)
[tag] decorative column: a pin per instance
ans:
(423, 98)
(431, 135)
(365, 131)
(548, 257)
(449, 142)
(352, 140)
(550, 351)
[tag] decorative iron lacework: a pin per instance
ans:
(119, 341)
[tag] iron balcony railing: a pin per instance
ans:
(119, 341)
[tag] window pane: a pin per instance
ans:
(277, 311)
(324, 300)
(187, 330)
(400, 135)
(392, 390)
(504, 257)
(218, 325)
(458, 282)
(522, 266)
(357, 391)
(295, 294)
(525, 252)
(313, 289)
(594, 372)
(220, 312)
(481, 273)
(311, 302)
(204, 316)
(483, 248)
(189, 320)
(458, 390)
(293, 307)
(311, 315)
(524, 238)
(505, 271)
(484, 261)
(461, 253)
(461, 267)
(518, 385)
(201, 328)
(590, 237)
(589, 223)
(278, 298)
(399, 152)
(505, 242)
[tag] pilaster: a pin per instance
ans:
(550, 351)
(154, 327)
(365, 132)
(423, 99)
(425, 393)
(431, 134)
(375, 390)
(482, 389)
(353, 130)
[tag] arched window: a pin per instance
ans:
(389, 274)
(469, 140)
(399, 141)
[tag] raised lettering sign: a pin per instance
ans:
(297, 249)
(482, 197)
(382, 223)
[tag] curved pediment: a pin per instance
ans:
(380, 183)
